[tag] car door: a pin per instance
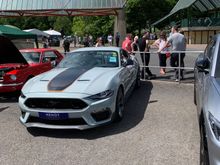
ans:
(202, 78)
(128, 71)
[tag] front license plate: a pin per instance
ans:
(53, 116)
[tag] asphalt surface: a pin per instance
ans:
(160, 127)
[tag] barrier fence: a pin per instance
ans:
(192, 54)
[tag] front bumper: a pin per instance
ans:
(213, 144)
(4, 88)
(31, 118)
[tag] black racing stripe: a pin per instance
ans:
(66, 78)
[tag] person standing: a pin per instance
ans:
(126, 44)
(117, 38)
(66, 45)
(145, 55)
(99, 42)
(178, 43)
(134, 45)
(160, 43)
(110, 39)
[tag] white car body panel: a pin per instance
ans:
(91, 82)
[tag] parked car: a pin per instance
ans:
(85, 90)
(54, 41)
(16, 67)
(206, 97)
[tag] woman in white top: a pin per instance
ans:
(160, 43)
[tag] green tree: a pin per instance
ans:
(96, 26)
(142, 13)
(64, 23)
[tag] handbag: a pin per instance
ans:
(168, 54)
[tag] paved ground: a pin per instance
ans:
(160, 128)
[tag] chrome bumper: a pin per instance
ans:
(10, 85)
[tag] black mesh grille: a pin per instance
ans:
(75, 121)
(52, 103)
(103, 115)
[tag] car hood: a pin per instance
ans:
(4, 68)
(86, 81)
(9, 53)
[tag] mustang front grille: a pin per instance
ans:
(53, 103)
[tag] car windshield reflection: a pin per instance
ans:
(90, 59)
(31, 57)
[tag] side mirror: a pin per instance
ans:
(129, 62)
(202, 64)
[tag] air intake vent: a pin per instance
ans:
(53, 103)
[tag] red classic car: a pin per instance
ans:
(16, 67)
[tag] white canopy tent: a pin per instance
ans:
(39, 33)
(53, 32)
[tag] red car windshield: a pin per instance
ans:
(31, 57)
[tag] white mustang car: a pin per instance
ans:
(87, 89)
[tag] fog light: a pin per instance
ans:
(102, 114)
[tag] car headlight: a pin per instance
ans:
(215, 125)
(22, 95)
(102, 95)
(13, 77)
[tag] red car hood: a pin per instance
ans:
(9, 54)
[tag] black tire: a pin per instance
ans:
(119, 107)
(138, 80)
(204, 157)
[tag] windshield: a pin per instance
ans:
(31, 57)
(90, 59)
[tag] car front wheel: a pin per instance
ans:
(204, 158)
(119, 107)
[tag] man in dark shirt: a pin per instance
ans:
(145, 57)
(66, 45)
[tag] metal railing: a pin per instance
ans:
(179, 68)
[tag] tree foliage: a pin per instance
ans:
(142, 13)
(95, 26)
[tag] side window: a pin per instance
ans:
(49, 56)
